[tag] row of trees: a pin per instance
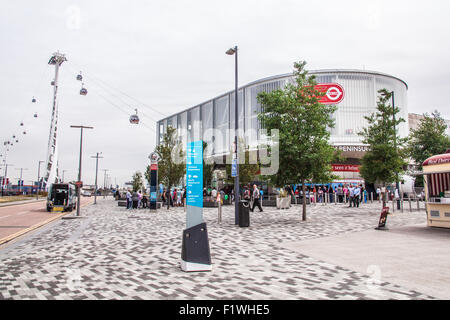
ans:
(305, 153)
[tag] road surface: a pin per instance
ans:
(18, 219)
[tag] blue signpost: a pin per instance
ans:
(195, 255)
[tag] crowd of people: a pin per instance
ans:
(135, 200)
(351, 194)
(176, 198)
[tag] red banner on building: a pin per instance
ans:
(345, 167)
(334, 93)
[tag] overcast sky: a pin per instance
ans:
(164, 56)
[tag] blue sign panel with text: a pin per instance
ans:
(194, 174)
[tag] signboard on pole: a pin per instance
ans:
(194, 179)
(153, 180)
(195, 255)
(234, 168)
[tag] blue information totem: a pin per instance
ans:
(195, 254)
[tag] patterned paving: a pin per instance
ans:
(114, 253)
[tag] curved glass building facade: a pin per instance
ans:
(361, 90)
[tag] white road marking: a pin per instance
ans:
(22, 212)
(5, 216)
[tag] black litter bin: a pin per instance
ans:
(244, 213)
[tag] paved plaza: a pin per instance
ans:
(114, 253)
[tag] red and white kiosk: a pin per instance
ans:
(436, 171)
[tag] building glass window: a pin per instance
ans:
(207, 126)
(221, 124)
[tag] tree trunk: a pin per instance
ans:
(304, 200)
(384, 194)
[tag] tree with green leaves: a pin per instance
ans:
(305, 153)
(172, 162)
(385, 160)
(137, 181)
(428, 140)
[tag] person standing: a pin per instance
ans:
(144, 201)
(163, 197)
(129, 201)
(356, 195)
(139, 198)
(256, 196)
(135, 199)
(214, 194)
(351, 195)
(179, 204)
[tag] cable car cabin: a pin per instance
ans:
(61, 197)
(436, 171)
(35, 115)
(83, 91)
(33, 100)
(134, 119)
(79, 77)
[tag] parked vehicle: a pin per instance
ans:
(86, 193)
(61, 197)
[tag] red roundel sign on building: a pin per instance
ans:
(334, 93)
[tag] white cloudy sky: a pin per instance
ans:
(169, 55)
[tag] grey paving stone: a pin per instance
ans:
(122, 254)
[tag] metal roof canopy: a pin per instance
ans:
(427, 173)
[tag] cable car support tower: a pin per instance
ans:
(51, 162)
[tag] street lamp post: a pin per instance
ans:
(39, 178)
(104, 183)
(397, 185)
(96, 173)
(63, 175)
(234, 51)
(79, 167)
(20, 180)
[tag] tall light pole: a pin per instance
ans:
(397, 185)
(20, 181)
(96, 173)
(79, 167)
(63, 175)
(104, 183)
(5, 178)
(39, 178)
(234, 51)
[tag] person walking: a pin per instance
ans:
(256, 196)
